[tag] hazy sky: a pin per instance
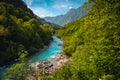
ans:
(45, 8)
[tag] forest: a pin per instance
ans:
(92, 42)
(20, 30)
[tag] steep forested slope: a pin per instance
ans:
(71, 15)
(94, 44)
(20, 30)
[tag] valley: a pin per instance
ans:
(82, 44)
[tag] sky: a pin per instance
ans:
(45, 8)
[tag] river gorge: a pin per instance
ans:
(51, 51)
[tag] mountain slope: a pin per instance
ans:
(93, 42)
(71, 15)
(20, 31)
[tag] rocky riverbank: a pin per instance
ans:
(48, 67)
(53, 63)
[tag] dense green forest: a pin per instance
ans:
(20, 30)
(93, 43)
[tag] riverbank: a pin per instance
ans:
(48, 52)
(50, 66)
(58, 61)
(46, 57)
(53, 63)
(9, 62)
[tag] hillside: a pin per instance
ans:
(71, 15)
(20, 31)
(93, 42)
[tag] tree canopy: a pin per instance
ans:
(20, 30)
(93, 43)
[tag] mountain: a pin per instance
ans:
(93, 42)
(20, 31)
(71, 15)
(55, 26)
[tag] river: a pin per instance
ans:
(45, 55)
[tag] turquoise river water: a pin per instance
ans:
(45, 55)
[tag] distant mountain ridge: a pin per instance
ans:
(71, 15)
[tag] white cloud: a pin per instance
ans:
(29, 2)
(62, 4)
(41, 12)
(70, 7)
(58, 6)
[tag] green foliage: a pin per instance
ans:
(19, 70)
(20, 27)
(107, 77)
(23, 70)
(94, 44)
(63, 74)
(93, 41)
